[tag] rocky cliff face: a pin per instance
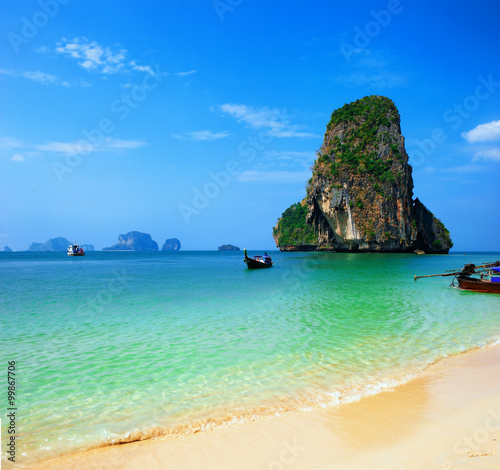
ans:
(360, 196)
(134, 241)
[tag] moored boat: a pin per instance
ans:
(75, 250)
(257, 262)
(483, 278)
(478, 285)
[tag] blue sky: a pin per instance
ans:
(200, 119)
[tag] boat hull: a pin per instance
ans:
(76, 254)
(478, 285)
(254, 264)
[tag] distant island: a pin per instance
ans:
(134, 241)
(6, 248)
(228, 248)
(171, 244)
(55, 244)
(360, 195)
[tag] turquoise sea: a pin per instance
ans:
(115, 347)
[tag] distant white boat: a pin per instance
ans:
(75, 250)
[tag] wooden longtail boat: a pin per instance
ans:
(257, 262)
(478, 285)
(487, 277)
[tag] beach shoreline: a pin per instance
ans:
(446, 418)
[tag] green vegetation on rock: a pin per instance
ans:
(292, 228)
(374, 110)
(361, 130)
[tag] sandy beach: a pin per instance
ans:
(448, 418)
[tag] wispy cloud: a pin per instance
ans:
(275, 121)
(183, 74)
(141, 68)
(82, 146)
(8, 143)
(18, 151)
(281, 167)
(465, 169)
(379, 80)
(370, 68)
(92, 56)
(488, 132)
(303, 158)
(105, 60)
(44, 78)
(18, 157)
(202, 135)
(274, 176)
(490, 154)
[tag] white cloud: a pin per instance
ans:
(371, 68)
(48, 79)
(22, 150)
(490, 154)
(141, 68)
(465, 169)
(488, 132)
(118, 144)
(289, 158)
(203, 135)
(42, 77)
(277, 122)
(83, 146)
(275, 177)
(8, 143)
(93, 56)
(380, 80)
(183, 74)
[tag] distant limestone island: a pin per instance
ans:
(360, 195)
(138, 241)
(228, 248)
(171, 244)
(131, 241)
(56, 244)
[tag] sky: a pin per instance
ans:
(200, 120)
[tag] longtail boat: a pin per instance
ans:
(483, 278)
(257, 262)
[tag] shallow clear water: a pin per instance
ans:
(122, 346)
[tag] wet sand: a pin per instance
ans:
(448, 418)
